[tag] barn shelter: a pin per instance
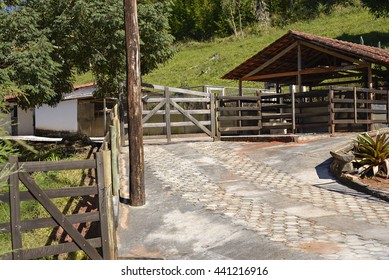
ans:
(319, 82)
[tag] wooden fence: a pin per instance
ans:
(102, 247)
(352, 107)
(105, 192)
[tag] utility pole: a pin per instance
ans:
(134, 93)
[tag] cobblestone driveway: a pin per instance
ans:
(328, 219)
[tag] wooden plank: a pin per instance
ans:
(321, 93)
(305, 72)
(177, 90)
(167, 115)
(59, 217)
(213, 115)
(275, 106)
(176, 112)
(180, 99)
(276, 115)
(387, 106)
(331, 110)
(378, 91)
(310, 125)
(239, 98)
(313, 114)
(355, 106)
(240, 128)
(58, 165)
(360, 101)
(299, 68)
(276, 125)
(152, 112)
(272, 60)
(351, 121)
(50, 222)
(114, 162)
(360, 110)
(15, 216)
(239, 118)
(102, 205)
(57, 249)
(191, 118)
(55, 193)
(293, 113)
(174, 124)
(238, 109)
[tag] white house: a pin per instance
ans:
(78, 112)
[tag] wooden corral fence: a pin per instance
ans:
(235, 114)
(336, 109)
(104, 191)
(353, 107)
(263, 112)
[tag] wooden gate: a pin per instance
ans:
(102, 247)
(171, 110)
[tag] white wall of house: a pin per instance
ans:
(63, 117)
(25, 122)
(5, 123)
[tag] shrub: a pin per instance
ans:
(372, 154)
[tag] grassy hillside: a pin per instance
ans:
(204, 63)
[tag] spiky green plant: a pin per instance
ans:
(372, 154)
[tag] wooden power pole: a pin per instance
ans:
(135, 128)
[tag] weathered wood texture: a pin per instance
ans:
(134, 96)
(174, 101)
(21, 172)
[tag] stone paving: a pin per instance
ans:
(334, 221)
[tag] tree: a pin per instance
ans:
(380, 8)
(44, 43)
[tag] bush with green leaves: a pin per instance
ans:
(372, 154)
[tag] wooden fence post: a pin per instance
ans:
(355, 106)
(293, 112)
(14, 201)
(108, 230)
(387, 106)
(217, 124)
(331, 108)
(167, 115)
(213, 113)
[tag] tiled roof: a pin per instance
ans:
(315, 51)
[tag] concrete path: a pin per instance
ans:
(229, 200)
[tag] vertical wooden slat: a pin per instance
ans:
(217, 122)
(14, 199)
(102, 205)
(213, 120)
(387, 106)
(355, 106)
(240, 88)
(114, 161)
(331, 108)
(299, 67)
(167, 115)
(259, 112)
(293, 113)
(370, 95)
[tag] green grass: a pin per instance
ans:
(46, 180)
(198, 64)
